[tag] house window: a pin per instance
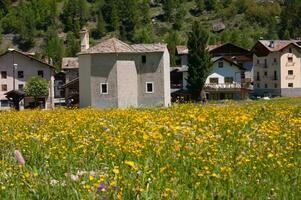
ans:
(21, 86)
(275, 75)
(275, 85)
(20, 74)
(265, 63)
(143, 59)
(104, 88)
(4, 103)
(265, 85)
(290, 72)
(290, 59)
(220, 64)
(149, 87)
(258, 77)
(41, 73)
(3, 75)
(213, 80)
(265, 73)
(229, 80)
(290, 50)
(290, 85)
(4, 87)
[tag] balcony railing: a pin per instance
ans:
(223, 86)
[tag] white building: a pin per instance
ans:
(16, 69)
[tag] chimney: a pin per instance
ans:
(84, 36)
(272, 44)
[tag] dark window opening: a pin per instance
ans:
(41, 73)
(220, 64)
(20, 74)
(104, 88)
(3, 75)
(149, 87)
(143, 59)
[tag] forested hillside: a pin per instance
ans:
(51, 27)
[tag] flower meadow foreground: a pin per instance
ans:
(248, 150)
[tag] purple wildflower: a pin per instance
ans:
(101, 186)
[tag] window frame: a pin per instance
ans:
(146, 87)
(143, 59)
(4, 72)
(228, 77)
(21, 71)
(2, 85)
(214, 79)
(101, 89)
(220, 64)
(290, 85)
(290, 74)
(42, 75)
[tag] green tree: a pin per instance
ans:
(72, 44)
(36, 87)
(172, 42)
(199, 59)
(54, 47)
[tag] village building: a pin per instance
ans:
(16, 69)
(231, 74)
(116, 74)
(277, 68)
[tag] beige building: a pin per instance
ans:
(116, 74)
(16, 69)
(277, 68)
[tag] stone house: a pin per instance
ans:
(277, 68)
(116, 74)
(16, 69)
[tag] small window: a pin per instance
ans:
(229, 80)
(290, 50)
(4, 103)
(149, 87)
(4, 87)
(104, 88)
(41, 73)
(290, 59)
(143, 59)
(265, 85)
(290, 72)
(265, 73)
(20, 87)
(20, 74)
(290, 85)
(275, 75)
(213, 80)
(3, 75)
(220, 64)
(275, 85)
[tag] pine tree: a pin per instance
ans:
(54, 47)
(72, 45)
(199, 60)
(172, 42)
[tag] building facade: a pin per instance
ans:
(116, 74)
(277, 68)
(16, 69)
(224, 80)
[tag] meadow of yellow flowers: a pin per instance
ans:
(246, 150)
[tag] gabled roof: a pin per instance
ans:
(274, 45)
(113, 45)
(144, 48)
(30, 56)
(70, 63)
(182, 49)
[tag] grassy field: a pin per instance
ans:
(248, 150)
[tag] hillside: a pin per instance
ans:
(50, 28)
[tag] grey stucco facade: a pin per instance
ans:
(126, 75)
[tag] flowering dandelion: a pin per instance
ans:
(19, 157)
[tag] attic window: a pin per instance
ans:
(290, 50)
(144, 59)
(290, 59)
(220, 64)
